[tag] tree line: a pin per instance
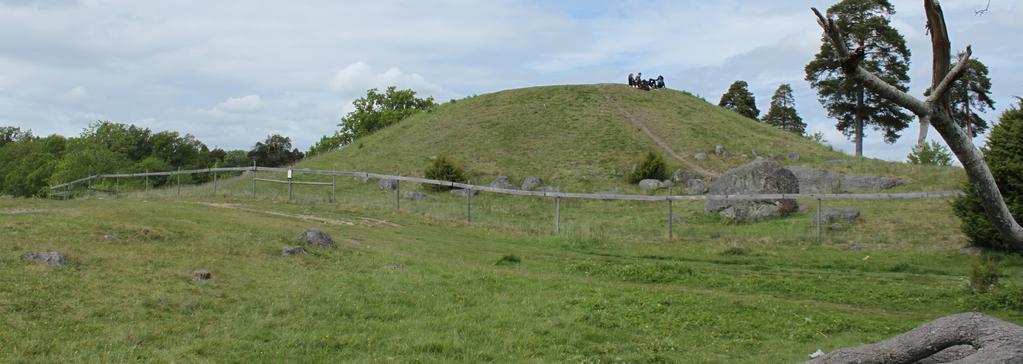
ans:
(29, 164)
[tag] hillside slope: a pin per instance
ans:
(584, 136)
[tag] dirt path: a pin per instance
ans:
(657, 140)
(324, 220)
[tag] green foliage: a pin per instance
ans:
(867, 26)
(275, 151)
(984, 274)
(443, 169)
(236, 158)
(970, 94)
(10, 134)
(330, 143)
(782, 113)
(738, 98)
(652, 166)
(376, 111)
(1004, 155)
(932, 153)
(509, 260)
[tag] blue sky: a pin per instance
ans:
(231, 72)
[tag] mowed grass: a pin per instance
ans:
(412, 286)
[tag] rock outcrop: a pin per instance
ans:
(759, 177)
(316, 238)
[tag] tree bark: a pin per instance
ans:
(935, 108)
(858, 120)
(925, 124)
(995, 341)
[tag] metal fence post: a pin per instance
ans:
(468, 204)
(214, 179)
(397, 195)
(67, 192)
(820, 217)
(147, 182)
(671, 217)
(557, 215)
(333, 188)
(178, 176)
(254, 168)
(117, 186)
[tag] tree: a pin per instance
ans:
(932, 154)
(10, 134)
(330, 143)
(936, 109)
(275, 151)
(1004, 154)
(782, 113)
(970, 94)
(881, 50)
(378, 110)
(739, 99)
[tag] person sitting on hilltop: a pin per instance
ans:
(660, 81)
(639, 80)
(632, 81)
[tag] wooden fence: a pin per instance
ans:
(64, 190)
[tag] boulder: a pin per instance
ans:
(869, 183)
(757, 177)
(824, 181)
(51, 259)
(837, 216)
(720, 151)
(388, 184)
(417, 196)
(696, 187)
(463, 192)
(288, 250)
(683, 176)
(316, 238)
(503, 183)
(531, 183)
(700, 156)
(651, 185)
(201, 275)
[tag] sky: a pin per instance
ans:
(231, 72)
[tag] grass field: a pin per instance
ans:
(421, 286)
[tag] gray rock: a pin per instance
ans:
(720, 151)
(839, 215)
(388, 184)
(316, 238)
(824, 181)
(462, 192)
(52, 259)
(502, 182)
(683, 176)
(836, 226)
(794, 156)
(531, 183)
(971, 250)
(700, 156)
(869, 183)
(417, 196)
(696, 187)
(201, 275)
(950, 354)
(650, 185)
(288, 250)
(777, 157)
(758, 177)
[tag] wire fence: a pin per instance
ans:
(65, 190)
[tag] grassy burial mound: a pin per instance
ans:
(586, 137)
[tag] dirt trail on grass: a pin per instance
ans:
(638, 122)
(363, 220)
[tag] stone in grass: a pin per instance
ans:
(388, 184)
(462, 192)
(316, 238)
(531, 183)
(720, 151)
(502, 182)
(201, 275)
(416, 196)
(51, 259)
(651, 185)
(288, 250)
(700, 156)
(696, 187)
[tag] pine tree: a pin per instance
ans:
(739, 99)
(783, 113)
(882, 51)
(969, 95)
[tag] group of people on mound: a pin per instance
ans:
(640, 83)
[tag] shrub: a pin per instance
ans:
(444, 169)
(1004, 154)
(933, 153)
(984, 275)
(651, 167)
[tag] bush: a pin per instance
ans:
(1004, 154)
(651, 167)
(444, 169)
(933, 153)
(984, 275)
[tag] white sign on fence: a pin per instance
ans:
(289, 174)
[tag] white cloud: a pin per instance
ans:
(77, 93)
(242, 104)
(354, 79)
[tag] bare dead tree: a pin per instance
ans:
(936, 109)
(984, 10)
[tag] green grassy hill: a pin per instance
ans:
(582, 137)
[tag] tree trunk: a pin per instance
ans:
(858, 120)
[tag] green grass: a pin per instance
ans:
(423, 287)
(579, 138)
